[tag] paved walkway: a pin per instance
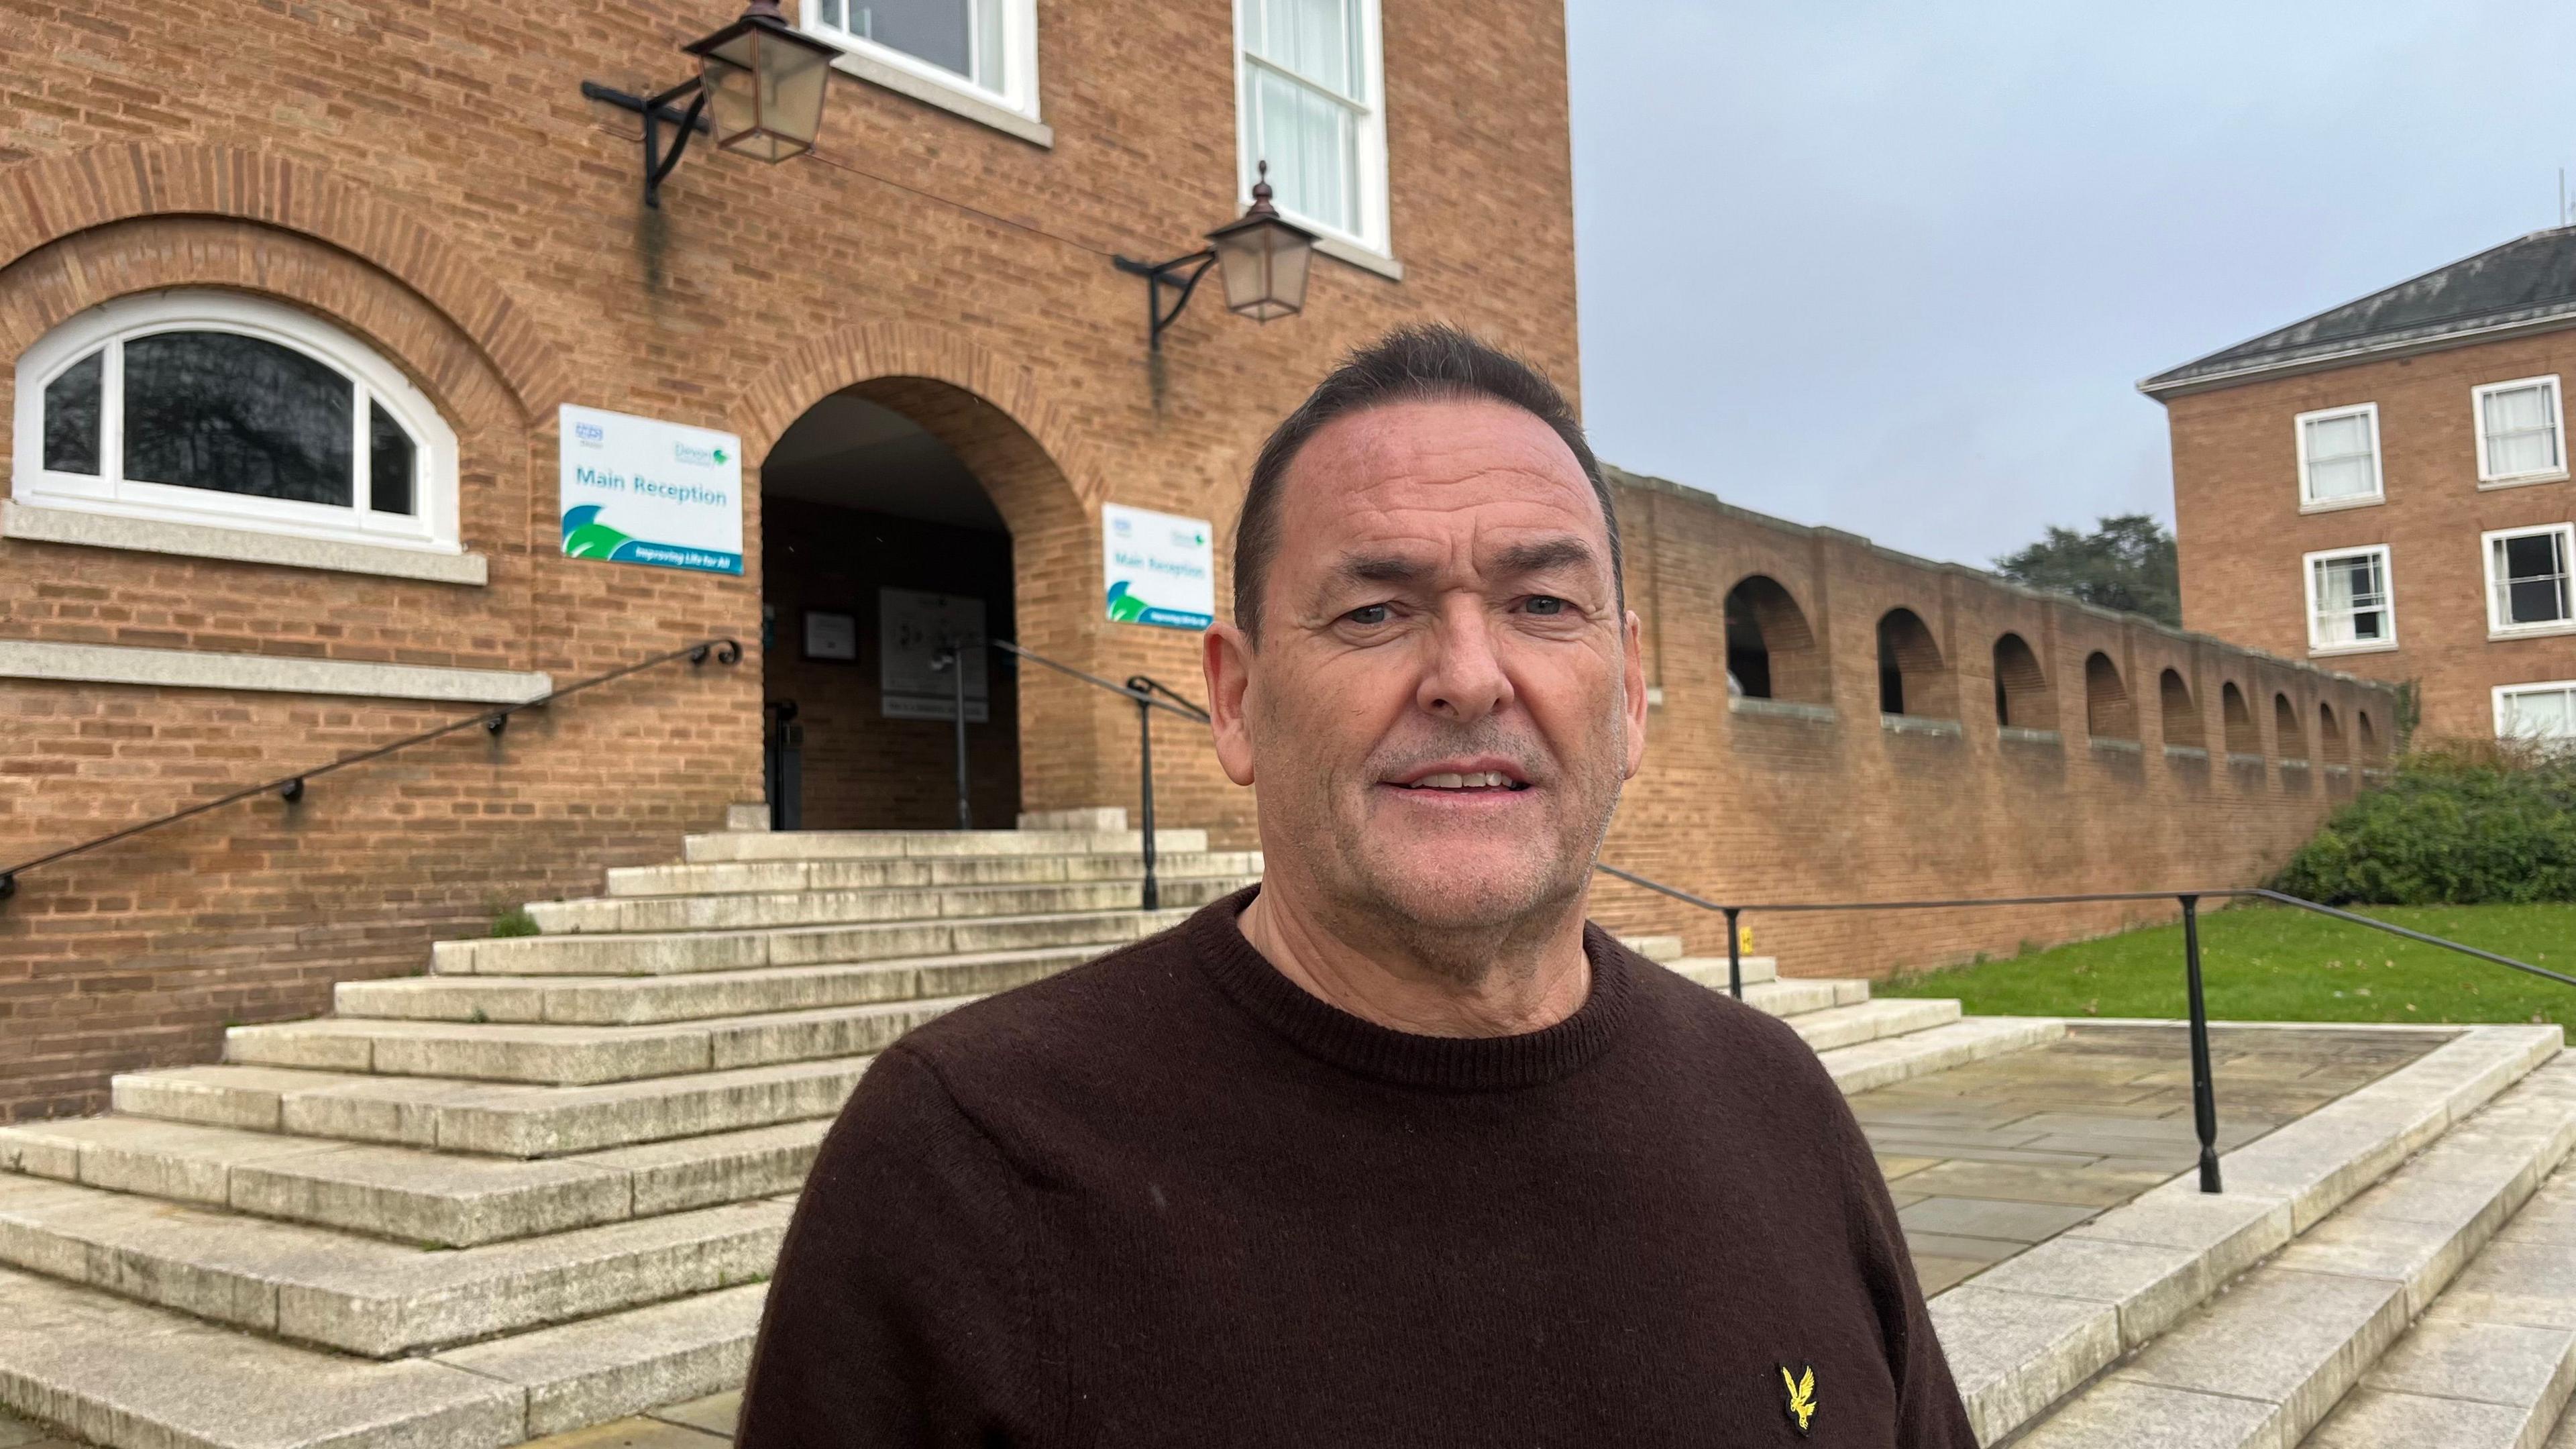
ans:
(1984, 1160)
(1987, 1159)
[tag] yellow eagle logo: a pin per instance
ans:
(1802, 1395)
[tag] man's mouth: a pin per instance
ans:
(1462, 780)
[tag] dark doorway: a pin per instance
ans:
(880, 548)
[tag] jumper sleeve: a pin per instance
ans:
(901, 1310)
(1929, 1412)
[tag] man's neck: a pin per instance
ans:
(1532, 978)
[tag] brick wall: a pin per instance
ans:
(2242, 534)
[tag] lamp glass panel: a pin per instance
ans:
(733, 98)
(792, 88)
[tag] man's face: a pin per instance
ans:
(1446, 696)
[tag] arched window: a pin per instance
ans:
(2021, 691)
(2366, 736)
(2287, 738)
(2242, 737)
(2330, 736)
(2108, 714)
(1911, 677)
(220, 408)
(2181, 712)
(1770, 651)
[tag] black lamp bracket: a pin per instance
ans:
(1180, 274)
(658, 111)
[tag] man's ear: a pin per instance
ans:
(1633, 671)
(1225, 656)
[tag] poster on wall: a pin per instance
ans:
(643, 491)
(1161, 568)
(912, 629)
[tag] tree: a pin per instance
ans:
(2127, 563)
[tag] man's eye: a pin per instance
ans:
(1544, 604)
(1368, 614)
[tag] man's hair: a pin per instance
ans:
(1411, 364)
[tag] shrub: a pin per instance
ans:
(514, 922)
(2459, 824)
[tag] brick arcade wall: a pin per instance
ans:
(2242, 534)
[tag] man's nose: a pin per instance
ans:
(1464, 681)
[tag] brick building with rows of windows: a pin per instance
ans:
(2383, 487)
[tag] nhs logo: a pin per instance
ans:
(589, 435)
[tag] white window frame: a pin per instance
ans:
(2498, 627)
(2488, 477)
(2309, 502)
(1370, 237)
(430, 527)
(1017, 96)
(2387, 609)
(2501, 692)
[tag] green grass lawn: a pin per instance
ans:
(2274, 963)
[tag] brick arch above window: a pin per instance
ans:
(60, 197)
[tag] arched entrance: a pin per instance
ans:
(882, 548)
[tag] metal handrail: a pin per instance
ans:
(2204, 1098)
(1143, 691)
(290, 788)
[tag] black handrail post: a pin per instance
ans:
(1145, 775)
(1734, 954)
(2204, 1091)
(957, 665)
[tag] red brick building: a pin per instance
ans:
(305, 310)
(2383, 488)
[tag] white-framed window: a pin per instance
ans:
(1310, 100)
(2527, 580)
(986, 49)
(2348, 604)
(2339, 457)
(211, 407)
(2543, 713)
(2519, 437)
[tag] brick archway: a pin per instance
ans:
(49, 200)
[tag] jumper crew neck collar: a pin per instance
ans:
(1462, 1064)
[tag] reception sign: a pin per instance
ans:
(643, 491)
(1161, 568)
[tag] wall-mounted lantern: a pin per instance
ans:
(763, 81)
(1261, 259)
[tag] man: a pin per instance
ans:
(1395, 1149)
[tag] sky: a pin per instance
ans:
(1898, 268)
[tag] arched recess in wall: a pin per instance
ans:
(2288, 738)
(2022, 700)
(1770, 650)
(2242, 737)
(2108, 714)
(1912, 677)
(2330, 746)
(2366, 737)
(2181, 712)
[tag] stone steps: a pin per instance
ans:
(696, 996)
(410, 1194)
(812, 845)
(367, 1296)
(2240, 1318)
(2492, 1364)
(579, 1056)
(535, 1189)
(753, 877)
(492, 1118)
(686, 952)
(626, 915)
(173, 1381)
